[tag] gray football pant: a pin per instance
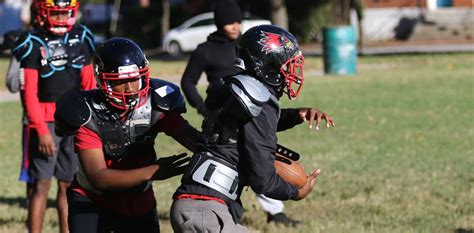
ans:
(188, 215)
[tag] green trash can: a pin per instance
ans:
(340, 50)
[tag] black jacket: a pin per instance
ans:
(215, 57)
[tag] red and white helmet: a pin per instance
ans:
(48, 8)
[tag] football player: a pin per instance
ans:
(115, 128)
(54, 57)
(239, 135)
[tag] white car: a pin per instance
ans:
(187, 36)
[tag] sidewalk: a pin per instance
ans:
(6, 96)
(402, 47)
(419, 46)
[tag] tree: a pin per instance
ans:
(165, 17)
(279, 16)
(341, 12)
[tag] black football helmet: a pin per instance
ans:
(122, 60)
(273, 56)
(48, 8)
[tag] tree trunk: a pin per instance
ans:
(165, 17)
(279, 15)
(341, 12)
(114, 20)
(360, 42)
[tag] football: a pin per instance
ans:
(290, 171)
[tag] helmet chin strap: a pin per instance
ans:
(136, 98)
(119, 101)
(133, 103)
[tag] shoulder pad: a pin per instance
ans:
(10, 37)
(166, 96)
(23, 46)
(87, 37)
(72, 111)
(250, 92)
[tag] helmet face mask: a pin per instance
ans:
(273, 56)
(126, 99)
(122, 73)
(292, 70)
(57, 16)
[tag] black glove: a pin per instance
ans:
(171, 166)
(203, 110)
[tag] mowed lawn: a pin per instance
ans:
(400, 158)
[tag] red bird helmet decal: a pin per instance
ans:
(271, 41)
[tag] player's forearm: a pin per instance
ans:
(187, 136)
(289, 118)
(109, 179)
(265, 181)
(34, 113)
(261, 173)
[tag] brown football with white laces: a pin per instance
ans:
(290, 171)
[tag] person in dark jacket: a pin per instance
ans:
(239, 136)
(216, 57)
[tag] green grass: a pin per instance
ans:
(400, 158)
(3, 72)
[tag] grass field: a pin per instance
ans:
(400, 158)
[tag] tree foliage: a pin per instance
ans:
(308, 17)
